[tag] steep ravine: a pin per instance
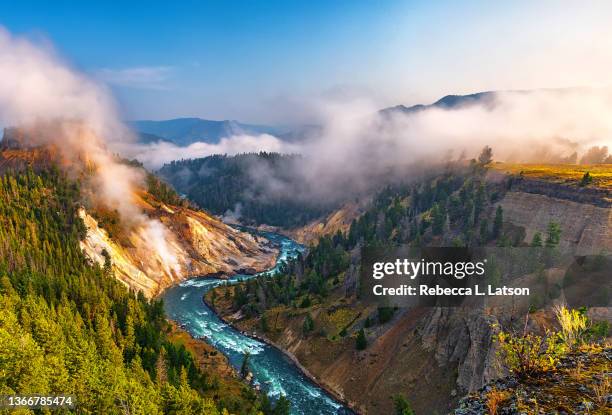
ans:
(269, 369)
(435, 356)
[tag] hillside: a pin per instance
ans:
(251, 188)
(185, 131)
(431, 356)
(200, 243)
(339, 220)
(68, 326)
(205, 246)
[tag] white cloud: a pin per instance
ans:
(141, 77)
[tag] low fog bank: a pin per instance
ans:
(359, 147)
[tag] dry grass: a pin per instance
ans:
(495, 399)
(342, 317)
(561, 173)
(602, 390)
(573, 325)
(575, 373)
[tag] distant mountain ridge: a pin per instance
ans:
(485, 98)
(186, 131)
(446, 102)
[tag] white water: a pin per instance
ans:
(271, 369)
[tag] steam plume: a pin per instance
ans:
(57, 106)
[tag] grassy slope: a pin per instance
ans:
(561, 173)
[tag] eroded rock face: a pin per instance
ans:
(338, 220)
(200, 244)
(596, 196)
(456, 343)
(463, 338)
(586, 227)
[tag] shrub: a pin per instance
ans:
(573, 326)
(308, 325)
(529, 354)
(305, 302)
(586, 179)
(385, 314)
(602, 390)
(402, 406)
(599, 330)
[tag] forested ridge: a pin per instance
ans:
(450, 208)
(246, 186)
(68, 327)
(314, 308)
(456, 207)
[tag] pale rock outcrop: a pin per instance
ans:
(201, 245)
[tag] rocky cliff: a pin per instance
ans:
(202, 246)
(338, 220)
(585, 226)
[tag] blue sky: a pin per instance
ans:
(263, 61)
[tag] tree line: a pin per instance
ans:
(68, 326)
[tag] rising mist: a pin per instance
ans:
(54, 105)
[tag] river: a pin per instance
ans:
(272, 370)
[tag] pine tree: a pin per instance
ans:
(536, 242)
(438, 219)
(484, 230)
(498, 222)
(161, 367)
(308, 325)
(361, 342)
(486, 156)
(554, 235)
(282, 406)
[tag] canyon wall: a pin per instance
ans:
(584, 226)
(204, 246)
(443, 352)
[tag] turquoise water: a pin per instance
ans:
(272, 370)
